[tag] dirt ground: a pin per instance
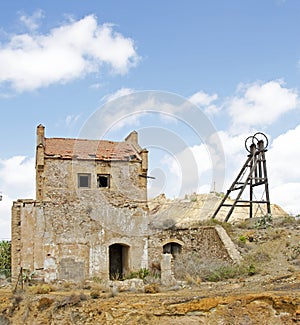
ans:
(269, 296)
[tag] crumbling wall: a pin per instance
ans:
(127, 186)
(72, 240)
(27, 236)
(203, 240)
(70, 234)
(67, 232)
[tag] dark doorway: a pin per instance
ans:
(172, 248)
(118, 261)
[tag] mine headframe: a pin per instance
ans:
(252, 174)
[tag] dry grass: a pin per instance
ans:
(41, 289)
(72, 300)
(152, 288)
(44, 303)
(194, 269)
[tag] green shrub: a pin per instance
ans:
(222, 273)
(243, 239)
(294, 252)
(140, 274)
(194, 269)
(97, 279)
(5, 257)
(251, 269)
(264, 221)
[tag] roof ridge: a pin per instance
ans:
(81, 139)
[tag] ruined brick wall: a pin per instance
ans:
(203, 240)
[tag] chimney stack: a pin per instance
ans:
(40, 132)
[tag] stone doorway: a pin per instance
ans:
(118, 261)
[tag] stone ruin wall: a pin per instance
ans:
(69, 233)
(203, 240)
(59, 178)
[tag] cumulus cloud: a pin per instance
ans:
(17, 176)
(188, 170)
(234, 150)
(32, 22)
(284, 158)
(17, 173)
(287, 196)
(31, 60)
(203, 100)
(261, 104)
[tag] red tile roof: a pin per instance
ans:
(89, 149)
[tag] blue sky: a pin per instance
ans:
(237, 62)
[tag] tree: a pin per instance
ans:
(5, 257)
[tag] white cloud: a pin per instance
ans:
(287, 196)
(17, 173)
(17, 176)
(32, 22)
(235, 153)
(96, 86)
(29, 61)
(261, 104)
(5, 217)
(284, 158)
(71, 120)
(203, 100)
(187, 170)
(119, 93)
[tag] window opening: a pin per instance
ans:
(172, 248)
(84, 180)
(103, 180)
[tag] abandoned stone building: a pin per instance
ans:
(90, 217)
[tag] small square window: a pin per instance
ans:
(84, 180)
(103, 180)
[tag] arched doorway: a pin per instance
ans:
(172, 248)
(118, 261)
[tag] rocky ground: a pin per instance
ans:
(269, 294)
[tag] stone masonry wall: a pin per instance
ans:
(126, 184)
(203, 240)
(68, 234)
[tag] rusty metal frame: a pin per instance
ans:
(255, 168)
